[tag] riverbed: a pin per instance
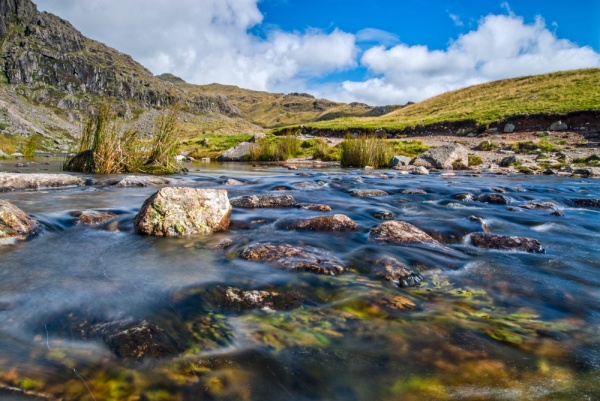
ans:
(482, 324)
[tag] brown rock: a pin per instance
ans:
(15, 224)
(587, 202)
(395, 232)
(495, 199)
(414, 192)
(285, 256)
(232, 181)
(507, 243)
(175, 211)
(92, 217)
(332, 223)
(467, 197)
(239, 300)
(539, 205)
(314, 207)
(259, 201)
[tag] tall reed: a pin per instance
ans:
(365, 151)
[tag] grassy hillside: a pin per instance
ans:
(549, 93)
(272, 110)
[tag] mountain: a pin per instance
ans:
(51, 75)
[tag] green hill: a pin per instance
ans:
(559, 92)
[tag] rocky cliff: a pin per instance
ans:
(53, 63)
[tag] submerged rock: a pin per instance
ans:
(467, 197)
(587, 202)
(15, 224)
(19, 182)
(395, 272)
(259, 201)
(507, 243)
(367, 192)
(239, 300)
(92, 217)
(232, 181)
(444, 157)
(414, 192)
(495, 199)
(175, 211)
(287, 256)
(314, 207)
(384, 215)
(332, 223)
(399, 233)
(539, 206)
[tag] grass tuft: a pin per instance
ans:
(365, 151)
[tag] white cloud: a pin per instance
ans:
(456, 19)
(502, 46)
(205, 41)
(378, 36)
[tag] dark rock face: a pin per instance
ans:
(507, 243)
(15, 224)
(399, 233)
(92, 217)
(367, 192)
(396, 272)
(22, 182)
(175, 211)
(587, 202)
(332, 223)
(257, 201)
(285, 256)
(444, 157)
(314, 207)
(238, 300)
(495, 199)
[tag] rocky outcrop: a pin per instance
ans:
(21, 182)
(175, 211)
(285, 256)
(15, 224)
(445, 157)
(395, 232)
(332, 223)
(260, 201)
(506, 243)
(238, 153)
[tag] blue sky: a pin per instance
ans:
(377, 52)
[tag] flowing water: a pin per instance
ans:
(483, 324)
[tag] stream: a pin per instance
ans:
(482, 325)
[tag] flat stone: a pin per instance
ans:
(285, 256)
(314, 207)
(15, 224)
(21, 182)
(367, 192)
(414, 192)
(539, 206)
(420, 171)
(395, 232)
(506, 243)
(176, 211)
(332, 223)
(263, 201)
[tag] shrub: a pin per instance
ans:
(365, 151)
(475, 160)
(30, 147)
(8, 144)
(106, 148)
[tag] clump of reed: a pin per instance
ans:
(276, 148)
(107, 148)
(365, 151)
